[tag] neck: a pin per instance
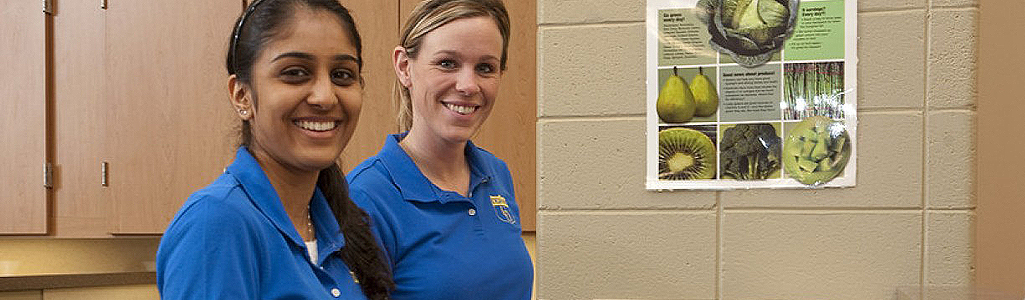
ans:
(443, 162)
(294, 188)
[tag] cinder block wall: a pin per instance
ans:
(908, 221)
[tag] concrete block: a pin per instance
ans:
(600, 164)
(949, 248)
(891, 53)
(819, 255)
(626, 255)
(589, 11)
(591, 70)
(950, 169)
(953, 36)
(889, 162)
(955, 3)
(871, 5)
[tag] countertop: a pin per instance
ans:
(56, 281)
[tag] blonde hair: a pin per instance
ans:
(431, 14)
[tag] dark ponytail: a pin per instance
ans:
(261, 22)
(361, 252)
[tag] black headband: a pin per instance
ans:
(237, 33)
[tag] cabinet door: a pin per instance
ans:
(23, 119)
(378, 25)
(81, 207)
(169, 125)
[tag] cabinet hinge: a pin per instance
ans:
(48, 175)
(48, 7)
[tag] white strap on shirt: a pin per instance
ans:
(311, 248)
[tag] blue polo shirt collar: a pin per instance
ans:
(254, 181)
(412, 183)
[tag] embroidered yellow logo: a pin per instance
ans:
(502, 209)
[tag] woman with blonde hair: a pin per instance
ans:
(443, 208)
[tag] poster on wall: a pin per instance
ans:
(751, 94)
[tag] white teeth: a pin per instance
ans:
(464, 110)
(315, 126)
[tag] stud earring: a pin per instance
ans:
(243, 112)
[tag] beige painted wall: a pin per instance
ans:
(908, 221)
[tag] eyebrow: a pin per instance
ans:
(307, 56)
(456, 53)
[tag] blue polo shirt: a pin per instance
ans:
(443, 245)
(233, 240)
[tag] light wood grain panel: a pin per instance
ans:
(377, 21)
(1000, 265)
(509, 132)
(23, 202)
(82, 208)
(169, 125)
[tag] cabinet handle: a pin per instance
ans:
(103, 173)
(48, 7)
(103, 4)
(48, 175)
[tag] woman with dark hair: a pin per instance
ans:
(444, 208)
(278, 223)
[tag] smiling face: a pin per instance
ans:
(454, 79)
(307, 93)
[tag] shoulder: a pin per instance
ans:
(221, 209)
(486, 156)
(490, 163)
(212, 246)
(367, 172)
(369, 179)
(371, 186)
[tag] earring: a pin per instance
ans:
(243, 112)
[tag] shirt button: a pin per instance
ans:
(336, 293)
(472, 212)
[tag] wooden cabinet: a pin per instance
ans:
(22, 295)
(128, 103)
(168, 121)
(138, 113)
(122, 292)
(141, 111)
(23, 198)
(82, 207)
(378, 24)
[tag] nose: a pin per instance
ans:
(467, 82)
(322, 94)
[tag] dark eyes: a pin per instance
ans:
(299, 75)
(343, 77)
(294, 74)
